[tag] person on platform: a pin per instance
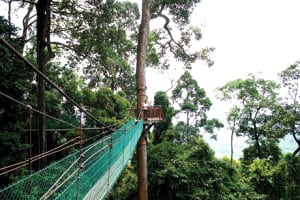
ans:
(145, 104)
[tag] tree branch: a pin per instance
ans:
(172, 84)
(167, 21)
(67, 47)
(26, 20)
(29, 39)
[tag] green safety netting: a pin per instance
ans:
(89, 174)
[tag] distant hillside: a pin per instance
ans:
(222, 145)
(288, 144)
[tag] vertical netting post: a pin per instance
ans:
(30, 146)
(124, 138)
(80, 154)
(131, 138)
(109, 162)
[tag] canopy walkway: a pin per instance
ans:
(89, 173)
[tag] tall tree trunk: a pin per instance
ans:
(43, 24)
(231, 139)
(231, 146)
(256, 137)
(298, 142)
(141, 55)
(187, 118)
(9, 12)
(141, 94)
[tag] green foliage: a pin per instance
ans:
(105, 105)
(7, 30)
(288, 178)
(274, 180)
(126, 187)
(179, 10)
(160, 129)
(190, 97)
(153, 57)
(176, 15)
(269, 150)
(15, 81)
(255, 100)
(261, 174)
(192, 101)
(191, 171)
(103, 34)
(288, 116)
(69, 82)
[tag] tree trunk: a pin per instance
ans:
(43, 24)
(298, 142)
(256, 137)
(141, 93)
(187, 118)
(141, 55)
(231, 139)
(231, 146)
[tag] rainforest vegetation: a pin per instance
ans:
(89, 50)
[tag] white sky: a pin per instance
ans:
(250, 36)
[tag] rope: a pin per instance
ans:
(20, 56)
(11, 170)
(35, 110)
(37, 157)
(48, 154)
(48, 194)
(69, 129)
(53, 151)
(94, 137)
(52, 189)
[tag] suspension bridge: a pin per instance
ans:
(91, 170)
(89, 173)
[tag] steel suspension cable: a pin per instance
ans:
(36, 111)
(20, 56)
(54, 152)
(57, 149)
(13, 167)
(55, 185)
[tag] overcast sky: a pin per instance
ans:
(250, 36)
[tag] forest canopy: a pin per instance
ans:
(88, 49)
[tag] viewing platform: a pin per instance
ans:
(152, 114)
